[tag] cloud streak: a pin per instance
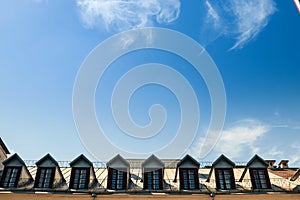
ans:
(241, 20)
(123, 15)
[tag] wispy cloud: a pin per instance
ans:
(242, 20)
(238, 140)
(212, 15)
(241, 137)
(127, 14)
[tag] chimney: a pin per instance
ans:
(283, 164)
(271, 163)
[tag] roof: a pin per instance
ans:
(136, 185)
(222, 157)
(118, 157)
(3, 146)
(188, 157)
(81, 157)
(284, 173)
(47, 156)
(13, 157)
(153, 158)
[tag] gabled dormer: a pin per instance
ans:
(258, 171)
(118, 173)
(153, 170)
(188, 169)
(15, 173)
(48, 173)
(82, 173)
(223, 171)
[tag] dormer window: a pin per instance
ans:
(44, 177)
(153, 171)
(224, 178)
(118, 171)
(117, 179)
(188, 173)
(10, 177)
(153, 179)
(188, 178)
(15, 173)
(79, 178)
(260, 178)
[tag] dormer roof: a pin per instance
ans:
(118, 160)
(225, 159)
(81, 158)
(153, 159)
(190, 159)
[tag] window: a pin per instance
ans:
(224, 179)
(79, 178)
(10, 177)
(117, 179)
(260, 179)
(153, 180)
(189, 178)
(44, 177)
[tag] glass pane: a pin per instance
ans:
(120, 180)
(227, 178)
(192, 179)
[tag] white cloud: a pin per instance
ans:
(237, 141)
(243, 20)
(241, 137)
(127, 14)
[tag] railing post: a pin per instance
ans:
(212, 195)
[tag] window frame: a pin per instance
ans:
(78, 182)
(156, 183)
(38, 177)
(17, 177)
(114, 178)
(256, 179)
(224, 179)
(184, 173)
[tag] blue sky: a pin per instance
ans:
(254, 44)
